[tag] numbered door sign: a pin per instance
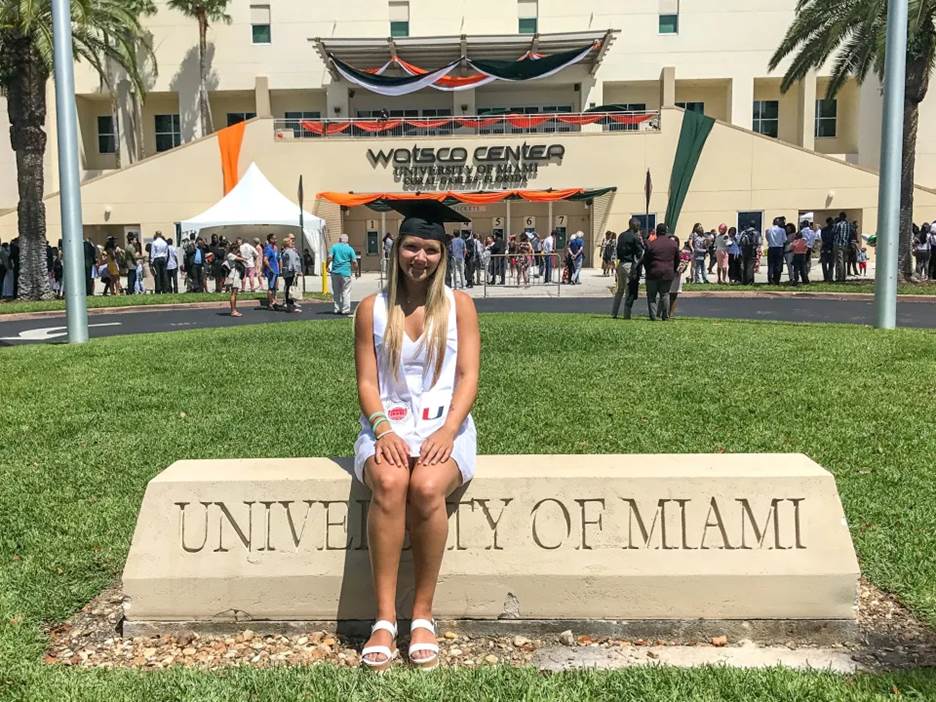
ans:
(497, 223)
(561, 221)
(372, 225)
(529, 222)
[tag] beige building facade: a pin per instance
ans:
(147, 166)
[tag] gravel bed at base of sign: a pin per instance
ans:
(891, 638)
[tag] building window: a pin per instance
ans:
(766, 117)
(235, 117)
(668, 11)
(647, 222)
(527, 12)
(399, 18)
(527, 25)
(826, 115)
(107, 134)
(260, 24)
(294, 122)
(692, 107)
(168, 132)
(754, 220)
(669, 24)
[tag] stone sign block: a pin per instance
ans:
(610, 537)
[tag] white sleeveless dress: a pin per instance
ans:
(415, 407)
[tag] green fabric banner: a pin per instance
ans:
(529, 67)
(692, 136)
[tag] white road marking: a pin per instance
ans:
(47, 333)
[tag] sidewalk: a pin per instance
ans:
(594, 284)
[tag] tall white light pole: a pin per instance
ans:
(888, 227)
(76, 310)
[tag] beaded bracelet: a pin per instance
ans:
(378, 423)
(380, 436)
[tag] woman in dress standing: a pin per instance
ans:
(524, 260)
(608, 247)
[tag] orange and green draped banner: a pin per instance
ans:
(456, 197)
(374, 126)
(530, 66)
(229, 141)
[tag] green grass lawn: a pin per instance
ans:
(82, 429)
(99, 301)
(851, 286)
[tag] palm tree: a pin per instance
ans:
(140, 8)
(204, 11)
(103, 30)
(853, 31)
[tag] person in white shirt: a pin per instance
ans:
(172, 267)
(479, 265)
(159, 260)
(776, 243)
(549, 248)
(537, 244)
(249, 253)
(810, 233)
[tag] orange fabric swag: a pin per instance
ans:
(357, 199)
(229, 141)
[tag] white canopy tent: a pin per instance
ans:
(255, 202)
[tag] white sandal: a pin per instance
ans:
(389, 655)
(429, 662)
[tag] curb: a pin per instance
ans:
(136, 309)
(754, 294)
(728, 294)
(803, 294)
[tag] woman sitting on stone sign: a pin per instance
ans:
(417, 351)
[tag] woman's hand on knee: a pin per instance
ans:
(437, 448)
(390, 448)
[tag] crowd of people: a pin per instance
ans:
(735, 256)
(723, 255)
(476, 259)
(194, 264)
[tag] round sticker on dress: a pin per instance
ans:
(397, 414)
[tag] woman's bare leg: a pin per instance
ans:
(386, 524)
(428, 527)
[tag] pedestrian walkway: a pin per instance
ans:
(593, 284)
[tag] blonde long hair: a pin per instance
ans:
(435, 331)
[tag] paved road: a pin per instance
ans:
(52, 329)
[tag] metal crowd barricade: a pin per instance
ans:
(517, 274)
(485, 273)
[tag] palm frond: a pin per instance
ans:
(849, 37)
(103, 31)
(214, 10)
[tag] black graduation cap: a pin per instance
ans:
(425, 218)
